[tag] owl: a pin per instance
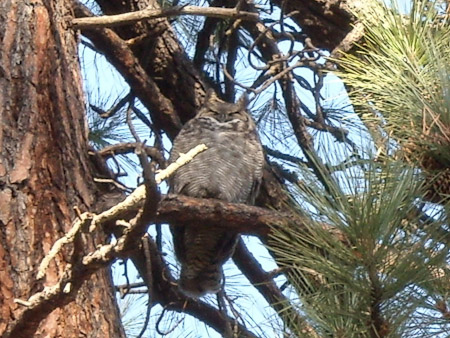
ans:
(229, 170)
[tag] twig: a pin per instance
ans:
(223, 309)
(114, 109)
(124, 291)
(235, 313)
(158, 321)
(282, 156)
(146, 248)
(68, 238)
(129, 286)
(130, 123)
(135, 292)
(117, 184)
(150, 13)
(22, 302)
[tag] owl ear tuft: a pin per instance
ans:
(210, 95)
(243, 101)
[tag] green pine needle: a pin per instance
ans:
(402, 72)
(364, 263)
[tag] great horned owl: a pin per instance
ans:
(230, 170)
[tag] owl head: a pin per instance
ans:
(229, 115)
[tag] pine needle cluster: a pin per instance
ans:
(367, 265)
(400, 80)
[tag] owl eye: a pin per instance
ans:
(235, 113)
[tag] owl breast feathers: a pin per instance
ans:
(230, 170)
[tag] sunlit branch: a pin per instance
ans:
(150, 13)
(132, 201)
(66, 288)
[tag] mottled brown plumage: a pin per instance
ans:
(230, 170)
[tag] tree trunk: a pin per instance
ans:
(45, 172)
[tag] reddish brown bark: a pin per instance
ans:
(44, 171)
(43, 164)
(245, 219)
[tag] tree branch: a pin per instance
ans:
(150, 13)
(132, 202)
(43, 302)
(326, 22)
(128, 148)
(242, 218)
(119, 54)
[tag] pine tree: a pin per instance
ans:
(351, 219)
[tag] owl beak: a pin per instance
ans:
(222, 117)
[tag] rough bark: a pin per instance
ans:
(242, 218)
(44, 171)
(326, 22)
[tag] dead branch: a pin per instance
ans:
(68, 238)
(43, 302)
(150, 13)
(146, 248)
(109, 251)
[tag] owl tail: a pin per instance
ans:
(206, 281)
(201, 269)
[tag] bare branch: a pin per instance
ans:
(106, 252)
(150, 13)
(66, 288)
(138, 195)
(146, 248)
(129, 66)
(68, 238)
